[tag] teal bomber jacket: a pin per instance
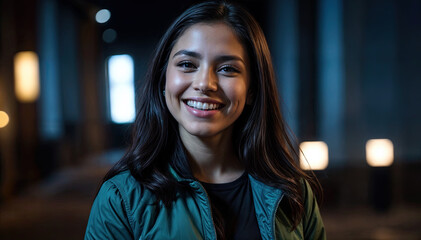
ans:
(124, 209)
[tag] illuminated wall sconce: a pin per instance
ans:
(26, 76)
(379, 152)
(314, 155)
(4, 119)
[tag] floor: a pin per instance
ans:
(59, 209)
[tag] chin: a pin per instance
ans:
(202, 132)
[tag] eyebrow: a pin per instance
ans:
(188, 53)
(221, 58)
(225, 58)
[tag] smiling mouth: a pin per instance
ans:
(204, 106)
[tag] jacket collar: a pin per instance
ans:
(178, 177)
(266, 202)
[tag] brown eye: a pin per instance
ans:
(186, 65)
(229, 69)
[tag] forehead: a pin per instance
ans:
(210, 38)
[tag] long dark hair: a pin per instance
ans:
(261, 137)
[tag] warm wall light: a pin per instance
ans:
(314, 155)
(4, 119)
(379, 152)
(26, 76)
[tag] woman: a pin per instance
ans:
(210, 155)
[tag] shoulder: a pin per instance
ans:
(124, 182)
(117, 207)
(119, 190)
(121, 186)
(111, 215)
(131, 191)
(312, 220)
(308, 193)
(309, 198)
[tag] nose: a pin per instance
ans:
(206, 81)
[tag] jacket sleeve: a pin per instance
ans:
(109, 218)
(313, 223)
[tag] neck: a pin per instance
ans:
(212, 159)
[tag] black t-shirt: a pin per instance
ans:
(234, 202)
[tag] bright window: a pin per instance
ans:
(121, 87)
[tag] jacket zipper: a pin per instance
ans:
(274, 216)
(209, 205)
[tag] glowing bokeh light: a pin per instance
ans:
(314, 155)
(4, 119)
(379, 152)
(102, 16)
(109, 35)
(27, 84)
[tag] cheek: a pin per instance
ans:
(175, 84)
(237, 92)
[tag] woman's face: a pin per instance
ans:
(207, 79)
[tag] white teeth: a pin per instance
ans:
(202, 106)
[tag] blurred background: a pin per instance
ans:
(348, 74)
